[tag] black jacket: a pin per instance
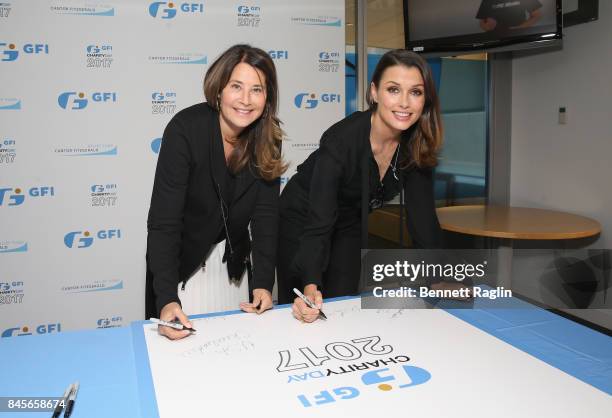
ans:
(336, 180)
(185, 214)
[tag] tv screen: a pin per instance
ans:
(468, 25)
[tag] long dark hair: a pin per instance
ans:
(260, 142)
(425, 136)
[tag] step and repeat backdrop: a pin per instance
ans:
(86, 90)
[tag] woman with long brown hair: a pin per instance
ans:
(217, 172)
(362, 162)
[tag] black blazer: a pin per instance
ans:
(336, 180)
(185, 214)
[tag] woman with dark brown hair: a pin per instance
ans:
(217, 172)
(362, 162)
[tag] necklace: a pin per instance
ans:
(394, 166)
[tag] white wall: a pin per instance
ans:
(566, 167)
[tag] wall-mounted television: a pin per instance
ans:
(436, 27)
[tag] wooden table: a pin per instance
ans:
(510, 223)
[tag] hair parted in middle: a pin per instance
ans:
(426, 134)
(259, 144)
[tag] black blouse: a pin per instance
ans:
(385, 190)
(227, 193)
(332, 176)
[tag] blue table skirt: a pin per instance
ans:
(113, 369)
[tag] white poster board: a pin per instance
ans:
(358, 363)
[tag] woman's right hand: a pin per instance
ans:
(301, 311)
(173, 312)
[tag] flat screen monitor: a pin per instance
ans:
(442, 26)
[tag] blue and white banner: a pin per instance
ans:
(86, 91)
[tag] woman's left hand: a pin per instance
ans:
(262, 301)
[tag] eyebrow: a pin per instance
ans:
(240, 82)
(397, 84)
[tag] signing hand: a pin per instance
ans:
(172, 312)
(262, 301)
(301, 311)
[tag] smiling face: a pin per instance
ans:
(400, 97)
(243, 99)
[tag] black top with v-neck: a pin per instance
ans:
(387, 188)
(227, 193)
(326, 194)
(185, 216)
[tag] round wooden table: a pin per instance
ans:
(510, 223)
(516, 223)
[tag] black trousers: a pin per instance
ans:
(341, 275)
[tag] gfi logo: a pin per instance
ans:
(168, 10)
(381, 377)
(102, 188)
(8, 151)
(10, 286)
(248, 9)
(310, 101)
(16, 196)
(72, 100)
(84, 239)
(278, 55)
(25, 330)
(98, 49)
(328, 55)
(109, 322)
(163, 103)
(160, 97)
(10, 52)
(249, 16)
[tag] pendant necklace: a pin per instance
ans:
(394, 166)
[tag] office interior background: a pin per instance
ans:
(503, 140)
